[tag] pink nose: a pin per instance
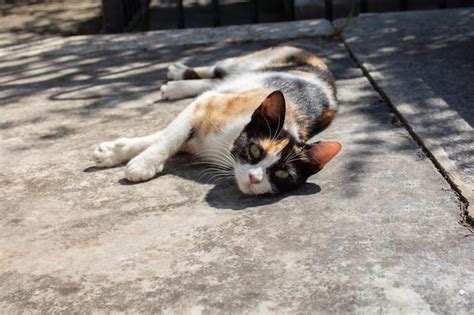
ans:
(254, 179)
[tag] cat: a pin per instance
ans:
(252, 118)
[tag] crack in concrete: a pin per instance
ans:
(464, 201)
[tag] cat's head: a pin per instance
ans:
(269, 159)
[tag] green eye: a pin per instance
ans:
(282, 174)
(255, 151)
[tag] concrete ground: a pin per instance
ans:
(63, 18)
(375, 232)
(426, 70)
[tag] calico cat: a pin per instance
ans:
(252, 120)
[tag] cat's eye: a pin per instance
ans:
(282, 174)
(255, 151)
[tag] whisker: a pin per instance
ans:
(214, 177)
(294, 160)
(289, 156)
(215, 153)
(210, 176)
(278, 133)
(269, 128)
(220, 171)
(215, 159)
(215, 166)
(219, 177)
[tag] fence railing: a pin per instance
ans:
(125, 15)
(255, 11)
(129, 15)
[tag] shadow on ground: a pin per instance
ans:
(76, 241)
(430, 69)
(116, 88)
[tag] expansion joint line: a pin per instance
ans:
(464, 219)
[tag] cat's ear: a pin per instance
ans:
(320, 153)
(271, 113)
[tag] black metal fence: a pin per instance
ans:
(130, 15)
(255, 12)
(125, 15)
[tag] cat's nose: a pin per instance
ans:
(254, 179)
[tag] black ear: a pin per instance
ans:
(271, 113)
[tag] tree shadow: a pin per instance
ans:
(346, 72)
(433, 68)
(106, 86)
(29, 21)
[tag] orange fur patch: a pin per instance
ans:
(217, 110)
(302, 73)
(274, 146)
(261, 53)
(325, 120)
(327, 117)
(316, 62)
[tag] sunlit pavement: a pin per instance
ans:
(375, 232)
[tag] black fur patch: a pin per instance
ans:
(190, 74)
(219, 73)
(297, 164)
(310, 99)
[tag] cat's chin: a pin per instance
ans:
(246, 191)
(252, 191)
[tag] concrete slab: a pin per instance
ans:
(375, 232)
(27, 20)
(162, 39)
(426, 69)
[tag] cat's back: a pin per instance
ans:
(304, 79)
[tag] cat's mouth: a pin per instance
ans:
(246, 189)
(252, 180)
(252, 189)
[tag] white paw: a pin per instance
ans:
(176, 71)
(140, 169)
(112, 153)
(172, 90)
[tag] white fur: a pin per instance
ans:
(147, 155)
(151, 161)
(113, 153)
(205, 72)
(255, 62)
(176, 71)
(242, 175)
(241, 83)
(216, 147)
(185, 88)
(159, 147)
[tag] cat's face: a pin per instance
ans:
(269, 159)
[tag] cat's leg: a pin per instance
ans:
(171, 139)
(219, 70)
(185, 88)
(179, 71)
(112, 153)
(258, 60)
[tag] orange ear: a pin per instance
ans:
(322, 152)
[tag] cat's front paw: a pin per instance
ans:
(176, 71)
(112, 153)
(139, 170)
